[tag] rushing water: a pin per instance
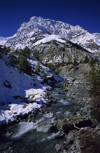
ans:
(23, 137)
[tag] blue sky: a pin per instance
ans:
(85, 13)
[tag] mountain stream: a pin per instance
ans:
(32, 136)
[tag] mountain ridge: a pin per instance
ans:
(38, 28)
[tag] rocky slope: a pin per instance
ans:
(81, 133)
(58, 51)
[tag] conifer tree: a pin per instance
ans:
(13, 59)
(37, 70)
(86, 60)
(23, 65)
(94, 77)
(26, 52)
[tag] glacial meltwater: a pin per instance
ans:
(32, 135)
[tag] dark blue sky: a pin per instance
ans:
(85, 13)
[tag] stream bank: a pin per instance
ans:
(81, 132)
(64, 126)
(38, 132)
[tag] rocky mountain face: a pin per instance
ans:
(38, 28)
(58, 52)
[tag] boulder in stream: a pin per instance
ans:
(44, 128)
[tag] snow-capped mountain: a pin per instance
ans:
(38, 28)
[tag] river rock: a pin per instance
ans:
(44, 128)
(58, 147)
(70, 137)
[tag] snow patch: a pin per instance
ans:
(49, 38)
(97, 42)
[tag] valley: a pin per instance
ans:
(49, 89)
(58, 125)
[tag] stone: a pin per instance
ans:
(77, 143)
(7, 108)
(66, 84)
(58, 147)
(60, 123)
(70, 138)
(44, 128)
(7, 84)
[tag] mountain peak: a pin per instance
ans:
(35, 18)
(38, 28)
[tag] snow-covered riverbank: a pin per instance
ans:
(20, 93)
(38, 133)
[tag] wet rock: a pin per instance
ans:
(77, 143)
(48, 101)
(70, 138)
(44, 128)
(49, 88)
(76, 122)
(72, 80)
(8, 133)
(60, 135)
(66, 84)
(48, 115)
(65, 90)
(55, 101)
(53, 129)
(68, 94)
(58, 147)
(60, 124)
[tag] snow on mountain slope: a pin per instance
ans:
(20, 93)
(97, 41)
(3, 40)
(38, 28)
(49, 38)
